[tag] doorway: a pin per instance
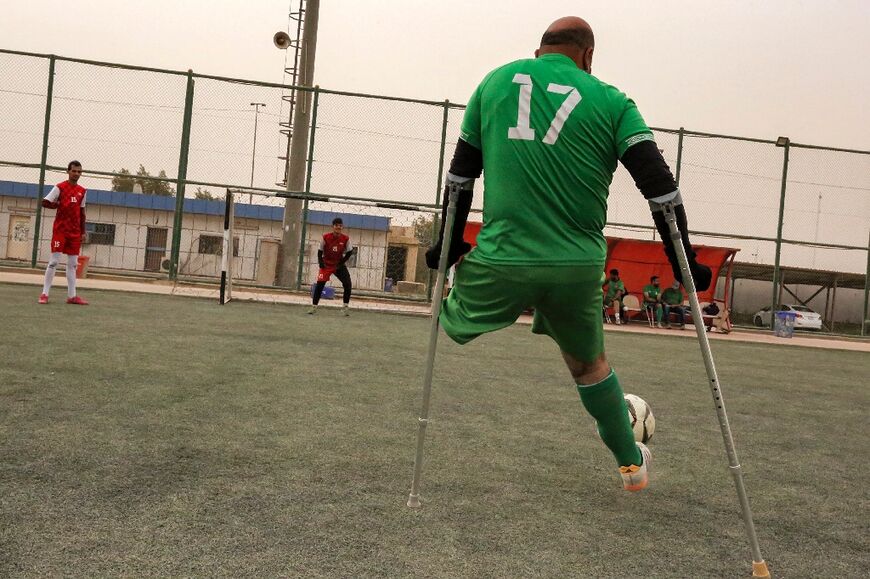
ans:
(20, 243)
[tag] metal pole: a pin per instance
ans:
(288, 272)
(423, 421)
(773, 303)
(254, 152)
(864, 319)
(444, 119)
(304, 229)
(45, 130)
(759, 567)
(816, 235)
(681, 132)
(182, 178)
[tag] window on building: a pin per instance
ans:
(100, 233)
(214, 245)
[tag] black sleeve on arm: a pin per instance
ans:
(347, 255)
(649, 170)
(467, 162)
(320, 258)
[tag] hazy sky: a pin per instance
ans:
(751, 68)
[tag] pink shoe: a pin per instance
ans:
(77, 301)
(43, 299)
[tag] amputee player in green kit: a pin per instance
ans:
(547, 136)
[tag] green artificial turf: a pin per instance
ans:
(167, 436)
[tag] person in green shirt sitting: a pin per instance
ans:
(614, 290)
(652, 299)
(672, 301)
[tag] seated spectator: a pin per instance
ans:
(614, 290)
(672, 301)
(719, 320)
(652, 300)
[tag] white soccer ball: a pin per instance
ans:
(643, 423)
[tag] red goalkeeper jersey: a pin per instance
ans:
(334, 246)
(70, 199)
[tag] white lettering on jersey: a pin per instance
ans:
(523, 130)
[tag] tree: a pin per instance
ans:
(423, 229)
(201, 193)
(123, 181)
(151, 186)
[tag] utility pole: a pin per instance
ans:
(254, 152)
(291, 239)
(816, 236)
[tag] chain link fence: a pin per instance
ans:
(161, 147)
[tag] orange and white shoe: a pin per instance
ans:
(43, 299)
(77, 301)
(636, 478)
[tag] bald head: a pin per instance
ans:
(571, 36)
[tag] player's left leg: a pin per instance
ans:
(567, 312)
(343, 276)
(72, 248)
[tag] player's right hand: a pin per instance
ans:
(456, 251)
(701, 274)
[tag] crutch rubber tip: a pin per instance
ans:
(414, 503)
(759, 569)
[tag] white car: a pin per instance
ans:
(805, 318)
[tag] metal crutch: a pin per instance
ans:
(759, 567)
(423, 420)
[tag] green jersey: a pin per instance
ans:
(613, 287)
(673, 297)
(551, 136)
(652, 291)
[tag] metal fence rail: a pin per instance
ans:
(164, 144)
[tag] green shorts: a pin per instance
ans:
(566, 300)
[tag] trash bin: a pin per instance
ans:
(783, 326)
(328, 292)
(388, 284)
(82, 266)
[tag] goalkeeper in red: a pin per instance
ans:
(66, 237)
(548, 136)
(335, 250)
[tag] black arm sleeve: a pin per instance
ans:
(467, 162)
(347, 255)
(320, 258)
(653, 177)
(649, 170)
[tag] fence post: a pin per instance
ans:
(785, 143)
(679, 155)
(48, 97)
(304, 228)
(435, 228)
(866, 291)
(182, 179)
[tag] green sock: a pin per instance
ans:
(606, 403)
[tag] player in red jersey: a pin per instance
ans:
(69, 226)
(335, 250)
